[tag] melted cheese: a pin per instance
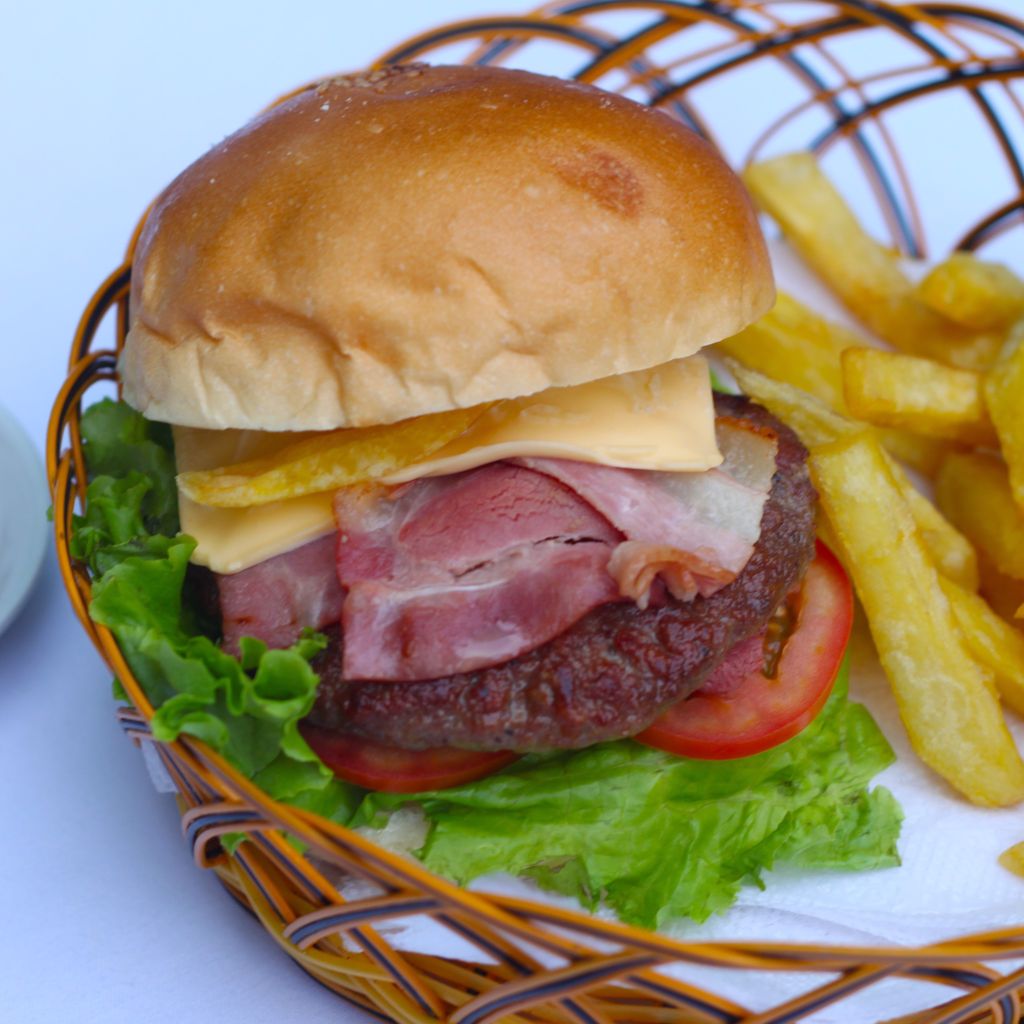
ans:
(658, 419)
(231, 539)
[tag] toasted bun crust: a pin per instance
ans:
(424, 238)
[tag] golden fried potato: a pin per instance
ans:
(951, 552)
(973, 492)
(817, 425)
(924, 454)
(1004, 394)
(974, 293)
(825, 533)
(327, 461)
(812, 420)
(945, 699)
(864, 274)
(1013, 859)
(994, 642)
(1004, 594)
(891, 389)
(791, 343)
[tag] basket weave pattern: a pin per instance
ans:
(542, 963)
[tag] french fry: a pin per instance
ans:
(1004, 394)
(793, 344)
(991, 640)
(973, 492)
(951, 552)
(1003, 593)
(974, 293)
(823, 528)
(1013, 859)
(891, 389)
(954, 722)
(814, 422)
(864, 274)
(817, 425)
(327, 461)
(924, 454)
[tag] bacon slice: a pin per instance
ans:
(636, 564)
(695, 531)
(455, 573)
(276, 599)
(446, 575)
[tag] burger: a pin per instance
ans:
(428, 340)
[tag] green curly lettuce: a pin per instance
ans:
(246, 708)
(656, 836)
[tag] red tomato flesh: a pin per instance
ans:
(393, 770)
(758, 713)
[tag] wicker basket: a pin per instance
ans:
(668, 54)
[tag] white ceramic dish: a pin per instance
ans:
(24, 498)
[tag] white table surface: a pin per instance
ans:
(104, 917)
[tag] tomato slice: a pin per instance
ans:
(758, 712)
(393, 770)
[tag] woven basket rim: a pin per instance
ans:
(210, 788)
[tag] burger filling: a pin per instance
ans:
(536, 603)
(454, 573)
(560, 815)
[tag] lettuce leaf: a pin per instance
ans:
(246, 708)
(657, 837)
(118, 441)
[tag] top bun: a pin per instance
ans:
(421, 238)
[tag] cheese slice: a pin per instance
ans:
(662, 418)
(231, 539)
(656, 419)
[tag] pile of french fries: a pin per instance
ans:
(941, 583)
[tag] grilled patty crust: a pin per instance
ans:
(613, 672)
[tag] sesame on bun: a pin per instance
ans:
(425, 238)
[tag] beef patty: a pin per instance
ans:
(613, 672)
